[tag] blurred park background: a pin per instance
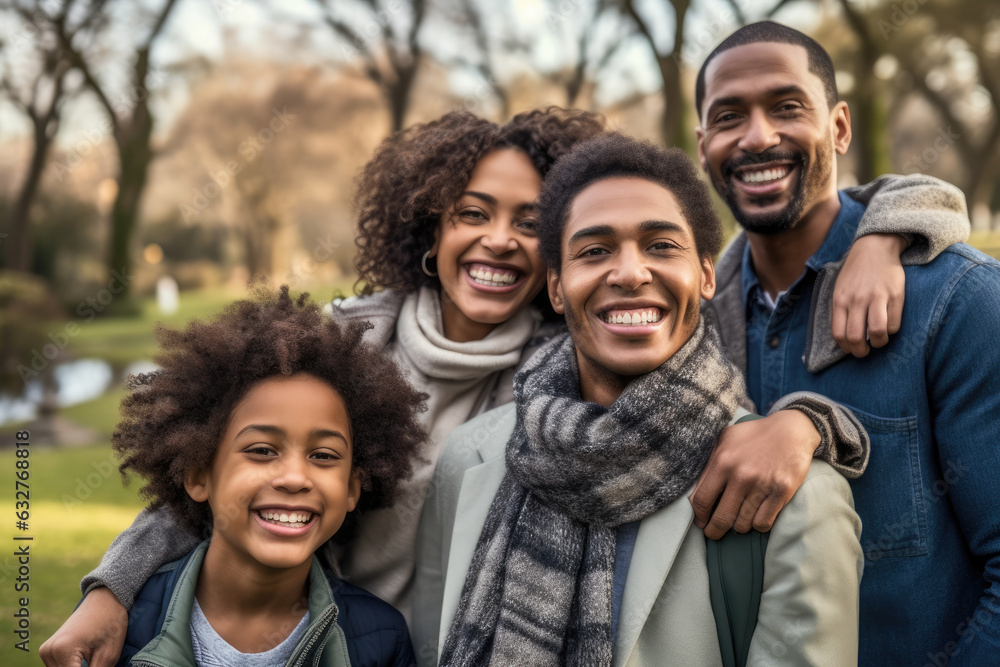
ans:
(155, 154)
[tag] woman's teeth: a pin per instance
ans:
(491, 278)
(293, 519)
(633, 317)
(764, 175)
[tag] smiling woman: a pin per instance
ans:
(486, 248)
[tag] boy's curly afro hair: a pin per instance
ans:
(174, 418)
(418, 174)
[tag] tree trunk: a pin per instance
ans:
(869, 115)
(251, 249)
(674, 130)
(870, 119)
(398, 95)
(135, 156)
(979, 190)
(18, 256)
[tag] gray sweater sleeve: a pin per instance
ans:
(154, 539)
(932, 214)
(844, 443)
(928, 210)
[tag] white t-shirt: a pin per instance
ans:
(211, 650)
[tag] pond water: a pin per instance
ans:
(77, 381)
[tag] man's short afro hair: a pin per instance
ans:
(616, 155)
(817, 59)
(173, 419)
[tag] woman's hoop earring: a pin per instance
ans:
(423, 264)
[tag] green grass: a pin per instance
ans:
(78, 505)
(988, 242)
(100, 414)
(121, 340)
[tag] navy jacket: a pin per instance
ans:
(375, 632)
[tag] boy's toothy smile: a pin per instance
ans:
(291, 519)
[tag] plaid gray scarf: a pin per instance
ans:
(538, 591)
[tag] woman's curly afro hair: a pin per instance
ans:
(173, 419)
(418, 174)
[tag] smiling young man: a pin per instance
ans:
(771, 128)
(560, 531)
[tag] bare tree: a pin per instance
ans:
(39, 92)
(575, 25)
(970, 111)
(869, 115)
(674, 130)
(130, 117)
(590, 56)
(470, 15)
(257, 144)
(387, 45)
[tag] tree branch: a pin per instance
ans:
(160, 21)
(79, 62)
(640, 23)
(942, 107)
(774, 10)
(15, 99)
(740, 16)
(348, 33)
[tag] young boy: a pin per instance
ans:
(267, 426)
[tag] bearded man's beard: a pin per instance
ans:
(810, 183)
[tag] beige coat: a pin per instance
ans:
(809, 606)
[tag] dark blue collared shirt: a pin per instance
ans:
(769, 332)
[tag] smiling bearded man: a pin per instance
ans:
(929, 398)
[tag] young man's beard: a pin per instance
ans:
(811, 181)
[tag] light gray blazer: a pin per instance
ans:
(812, 569)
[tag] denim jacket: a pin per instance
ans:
(930, 400)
